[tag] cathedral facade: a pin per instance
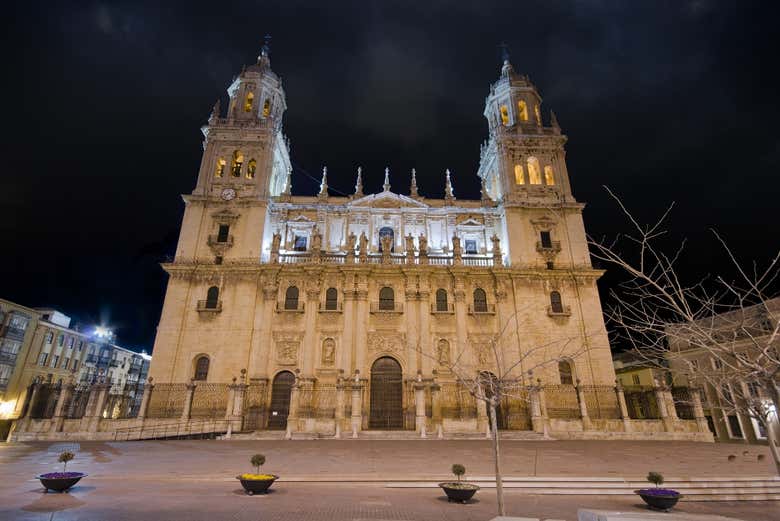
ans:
(373, 311)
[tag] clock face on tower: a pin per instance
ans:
(228, 194)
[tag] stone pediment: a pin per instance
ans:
(387, 200)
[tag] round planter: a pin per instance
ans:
(659, 498)
(459, 492)
(257, 486)
(60, 481)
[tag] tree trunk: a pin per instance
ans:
(496, 456)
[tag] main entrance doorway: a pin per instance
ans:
(280, 400)
(386, 395)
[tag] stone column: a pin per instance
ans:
(292, 416)
(59, 410)
(148, 388)
(660, 400)
(537, 420)
(187, 411)
(339, 407)
(419, 406)
(32, 394)
(621, 398)
(436, 408)
(698, 410)
(357, 405)
(97, 396)
(586, 423)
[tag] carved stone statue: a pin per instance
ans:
(443, 352)
(422, 241)
(316, 240)
(328, 351)
(496, 247)
(276, 242)
(456, 249)
(363, 245)
(351, 239)
(409, 244)
(387, 246)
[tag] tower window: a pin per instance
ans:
(222, 234)
(519, 176)
(538, 114)
(522, 110)
(331, 299)
(480, 301)
(441, 300)
(267, 107)
(534, 174)
(220, 170)
(250, 98)
(549, 177)
(556, 305)
(504, 114)
(291, 298)
(251, 167)
(565, 372)
(546, 239)
(471, 246)
(299, 244)
(237, 163)
(202, 368)
(212, 297)
(386, 299)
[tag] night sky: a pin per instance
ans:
(662, 101)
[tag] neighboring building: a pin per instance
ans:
(387, 286)
(17, 327)
(632, 370)
(740, 331)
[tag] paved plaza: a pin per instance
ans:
(346, 480)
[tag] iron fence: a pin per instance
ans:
(167, 401)
(562, 402)
(209, 400)
(641, 402)
(601, 402)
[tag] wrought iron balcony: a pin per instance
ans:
(387, 307)
(13, 332)
(564, 311)
(209, 306)
(135, 367)
(213, 240)
(443, 308)
(552, 248)
(91, 359)
(114, 362)
(7, 358)
(482, 309)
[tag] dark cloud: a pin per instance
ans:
(662, 101)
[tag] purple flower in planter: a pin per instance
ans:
(658, 492)
(61, 475)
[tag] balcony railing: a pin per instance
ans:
(91, 359)
(114, 363)
(103, 360)
(213, 240)
(385, 307)
(135, 367)
(7, 358)
(209, 306)
(482, 261)
(565, 311)
(553, 247)
(483, 309)
(3, 384)
(13, 332)
(335, 307)
(445, 309)
(284, 307)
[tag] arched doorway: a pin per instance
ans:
(490, 383)
(280, 400)
(386, 395)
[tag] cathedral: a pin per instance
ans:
(374, 311)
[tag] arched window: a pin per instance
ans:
(267, 107)
(250, 98)
(331, 299)
(212, 297)
(441, 300)
(504, 115)
(220, 170)
(386, 299)
(386, 231)
(538, 114)
(565, 372)
(522, 110)
(235, 165)
(291, 298)
(549, 177)
(480, 301)
(556, 305)
(250, 169)
(202, 368)
(519, 177)
(534, 174)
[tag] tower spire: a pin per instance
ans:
(506, 65)
(324, 184)
(265, 50)
(449, 196)
(413, 187)
(386, 185)
(359, 183)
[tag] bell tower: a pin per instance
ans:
(245, 163)
(523, 170)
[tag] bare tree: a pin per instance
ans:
(512, 379)
(720, 331)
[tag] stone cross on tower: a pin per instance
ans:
(413, 187)
(324, 184)
(386, 185)
(359, 183)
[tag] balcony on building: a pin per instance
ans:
(484, 309)
(135, 366)
(209, 306)
(563, 311)
(91, 359)
(216, 240)
(441, 308)
(331, 307)
(14, 333)
(387, 307)
(8, 358)
(548, 247)
(290, 307)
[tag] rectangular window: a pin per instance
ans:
(54, 360)
(42, 358)
(546, 240)
(717, 364)
(300, 243)
(224, 231)
(60, 340)
(65, 363)
(635, 379)
(49, 337)
(75, 364)
(70, 342)
(736, 429)
(81, 345)
(471, 246)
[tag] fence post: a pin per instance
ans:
(537, 419)
(660, 399)
(586, 423)
(357, 404)
(58, 419)
(621, 398)
(419, 406)
(292, 414)
(97, 396)
(698, 410)
(148, 388)
(339, 412)
(187, 411)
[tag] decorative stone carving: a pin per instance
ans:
(409, 245)
(287, 347)
(363, 247)
(443, 352)
(328, 352)
(423, 243)
(351, 240)
(386, 342)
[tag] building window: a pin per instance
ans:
(60, 340)
(299, 244)
(717, 363)
(522, 110)
(71, 340)
(212, 297)
(55, 360)
(65, 363)
(291, 298)
(202, 368)
(441, 300)
(251, 167)
(534, 174)
(635, 379)
(42, 358)
(545, 239)
(222, 234)
(386, 299)
(565, 372)
(81, 345)
(237, 163)
(49, 337)
(725, 393)
(753, 389)
(75, 364)
(504, 115)
(734, 426)
(519, 177)
(331, 299)
(471, 246)
(267, 107)
(480, 301)
(549, 178)
(250, 98)
(556, 305)
(220, 170)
